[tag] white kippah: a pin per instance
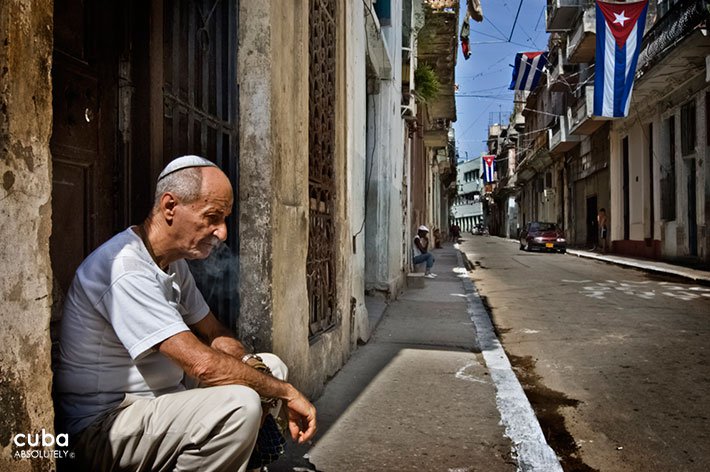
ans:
(423, 228)
(185, 162)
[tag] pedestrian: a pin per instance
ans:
(603, 230)
(437, 238)
(455, 232)
(421, 251)
(135, 326)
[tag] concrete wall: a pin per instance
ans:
(25, 212)
(385, 154)
(274, 192)
(356, 95)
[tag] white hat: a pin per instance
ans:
(183, 163)
(423, 228)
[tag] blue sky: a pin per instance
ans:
(487, 73)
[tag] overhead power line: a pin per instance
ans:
(515, 21)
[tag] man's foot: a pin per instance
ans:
(430, 276)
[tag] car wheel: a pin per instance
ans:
(563, 251)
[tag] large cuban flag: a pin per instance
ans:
(527, 70)
(620, 29)
(489, 163)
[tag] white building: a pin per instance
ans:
(467, 209)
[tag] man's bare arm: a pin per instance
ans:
(213, 367)
(218, 337)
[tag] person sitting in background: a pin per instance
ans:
(421, 251)
(437, 238)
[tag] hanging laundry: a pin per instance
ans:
(465, 35)
(475, 10)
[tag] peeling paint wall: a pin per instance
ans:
(385, 154)
(25, 215)
(356, 152)
(273, 192)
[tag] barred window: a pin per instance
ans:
(320, 265)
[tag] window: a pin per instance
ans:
(687, 128)
(477, 174)
(668, 171)
(664, 6)
(320, 263)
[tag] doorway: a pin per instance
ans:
(592, 225)
(692, 209)
(136, 84)
(625, 188)
(86, 180)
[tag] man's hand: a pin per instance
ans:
(301, 418)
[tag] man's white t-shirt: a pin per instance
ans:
(118, 307)
(417, 251)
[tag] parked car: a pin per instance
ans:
(543, 236)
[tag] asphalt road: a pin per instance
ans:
(614, 360)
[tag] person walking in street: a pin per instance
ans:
(421, 251)
(135, 326)
(603, 230)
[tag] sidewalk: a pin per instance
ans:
(647, 265)
(663, 268)
(424, 393)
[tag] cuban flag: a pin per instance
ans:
(620, 29)
(489, 166)
(527, 70)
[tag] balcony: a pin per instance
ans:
(560, 14)
(467, 209)
(560, 138)
(582, 43)
(674, 50)
(535, 157)
(473, 186)
(558, 71)
(581, 121)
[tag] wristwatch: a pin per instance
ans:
(251, 356)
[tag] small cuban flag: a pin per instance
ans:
(620, 28)
(489, 165)
(527, 70)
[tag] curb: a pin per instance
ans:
(643, 265)
(530, 448)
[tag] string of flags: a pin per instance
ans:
(619, 34)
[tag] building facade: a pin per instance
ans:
(467, 208)
(645, 170)
(95, 101)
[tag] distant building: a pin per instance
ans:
(467, 209)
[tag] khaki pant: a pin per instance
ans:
(203, 429)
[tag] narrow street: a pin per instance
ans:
(613, 360)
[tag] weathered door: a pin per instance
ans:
(84, 193)
(592, 224)
(194, 95)
(692, 208)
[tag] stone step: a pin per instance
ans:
(415, 280)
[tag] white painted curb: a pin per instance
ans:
(530, 447)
